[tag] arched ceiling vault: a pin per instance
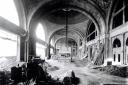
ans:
(89, 13)
(109, 18)
(76, 33)
(82, 10)
(65, 38)
(62, 40)
(33, 5)
(85, 13)
(21, 13)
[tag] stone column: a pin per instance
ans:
(106, 47)
(22, 49)
(32, 47)
(48, 51)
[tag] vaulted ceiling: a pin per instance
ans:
(52, 14)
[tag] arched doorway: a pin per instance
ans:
(117, 51)
(66, 49)
(116, 43)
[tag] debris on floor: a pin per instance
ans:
(114, 70)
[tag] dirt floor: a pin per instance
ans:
(88, 76)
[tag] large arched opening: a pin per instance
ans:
(40, 34)
(66, 48)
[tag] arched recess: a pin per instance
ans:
(33, 27)
(116, 43)
(117, 51)
(36, 34)
(67, 45)
(65, 37)
(77, 31)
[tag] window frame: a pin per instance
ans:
(115, 13)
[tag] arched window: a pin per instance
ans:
(8, 11)
(40, 50)
(116, 43)
(52, 42)
(120, 13)
(40, 32)
(127, 42)
(91, 32)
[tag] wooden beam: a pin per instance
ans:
(9, 26)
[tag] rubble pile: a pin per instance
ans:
(115, 70)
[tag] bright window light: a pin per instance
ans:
(8, 11)
(40, 50)
(52, 43)
(8, 44)
(40, 32)
(51, 51)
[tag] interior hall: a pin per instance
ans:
(63, 42)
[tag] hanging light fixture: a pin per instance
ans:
(66, 28)
(66, 25)
(67, 10)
